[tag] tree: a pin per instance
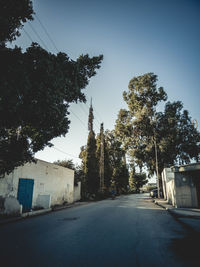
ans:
(178, 140)
(107, 171)
(67, 163)
(82, 156)
(91, 171)
(12, 16)
(118, 169)
(37, 88)
(78, 172)
(146, 133)
(137, 180)
(91, 163)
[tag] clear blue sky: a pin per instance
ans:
(135, 37)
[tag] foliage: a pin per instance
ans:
(140, 127)
(12, 16)
(68, 163)
(107, 166)
(36, 90)
(78, 172)
(115, 169)
(82, 156)
(118, 169)
(178, 139)
(137, 180)
(91, 165)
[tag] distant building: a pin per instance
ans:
(181, 185)
(40, 185)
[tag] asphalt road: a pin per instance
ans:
(127, 231)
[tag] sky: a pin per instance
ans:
(135, 37)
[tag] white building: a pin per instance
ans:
(40, 184)
(181, 185)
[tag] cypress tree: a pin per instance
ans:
(91, 162)
(107, 169)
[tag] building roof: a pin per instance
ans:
(187, 168)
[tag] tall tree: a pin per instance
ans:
(103, 155)
(91, 162)
(178, 139)
(118, 168)
(168, 136)
(37, 88)
(82, 156)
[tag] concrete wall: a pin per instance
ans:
(179, 189)
(171, 193)
(168, 185)
(77, 192)
(54, 182)
(185, 191)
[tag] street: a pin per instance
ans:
(127, 231)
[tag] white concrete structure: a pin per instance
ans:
(168, 185)
(51, 184)
(181, 185)
(12, 206)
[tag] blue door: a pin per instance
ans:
(25, 193)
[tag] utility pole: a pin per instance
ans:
(101, 169)
(156, 154)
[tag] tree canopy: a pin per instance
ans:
(12, 16)
(117, 161)
(37, 88)
(142, 127)
(137, 180)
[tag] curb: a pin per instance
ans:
(178, 212)
(73, 205)
(38, 212)
(161, 205)
(176, 217)
(35, 213)
(24, 216)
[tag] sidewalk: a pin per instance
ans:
(8, 219)
(189, 218)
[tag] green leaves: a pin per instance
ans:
(36, 89)
(137, 180)
(12, 16)
(141, 126)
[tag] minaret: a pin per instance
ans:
(101, 167)
(90, 118)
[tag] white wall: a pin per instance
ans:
(179, 189)
(186, 196)
(171, 192)
(169, 188)
(168, 184)
(49, 179)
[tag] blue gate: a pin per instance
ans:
(25, 193)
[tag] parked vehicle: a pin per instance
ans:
(154, 193)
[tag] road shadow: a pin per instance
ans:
(187, 248)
